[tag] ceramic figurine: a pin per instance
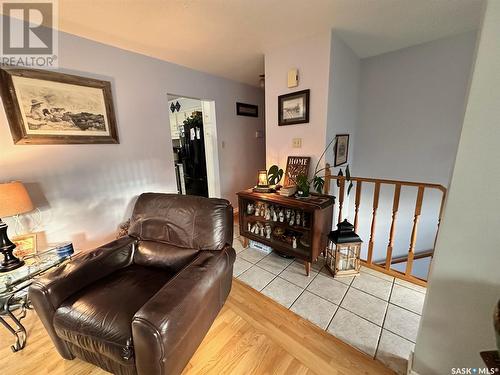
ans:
(292, 218)
(281, 216)
(255, 229)
(267, 212)
(294, 242)
(257, 209)
(275, 215)
(249, 227)
(287, 213)
(262, 230)
(297, 218)
(268, 231)
(304, 221)
(250, 208)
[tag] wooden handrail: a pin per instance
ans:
(385, 265)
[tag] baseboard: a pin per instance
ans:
(409, 369)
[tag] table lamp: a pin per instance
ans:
(14, 200)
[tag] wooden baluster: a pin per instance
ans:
(328, 177)
(356, 204)
(376, 194)
(341, 197)
(439, 219)
(395, 208)
(413, 239)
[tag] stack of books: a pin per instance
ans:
(288, 190)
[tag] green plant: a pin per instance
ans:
(274, 175)
(318, 182)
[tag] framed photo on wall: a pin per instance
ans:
(293, 108)
(45, 107)
(249, 110)
(341, 149)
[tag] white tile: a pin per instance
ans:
(407, 284)
(296, 274)
(256, 277)
(365, 305)
(373, 285)
(355, 331)
(330, 289)
(238, 245)
(402, 322)
(282, 291)
(319, 264)
(408, 298)
(376, 273)
(347, 280)
(314, 308)
(240, 266)
(394, 351)
(274, 263)
(252, 255)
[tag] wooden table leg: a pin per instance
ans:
(245, 242)
(308, 267)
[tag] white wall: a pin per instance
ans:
(410, 116)
(465, 281)
(85, 191)
(311, 57)
(343, 97)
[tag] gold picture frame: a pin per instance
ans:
(25, 245)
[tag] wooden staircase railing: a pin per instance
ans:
(359, 182)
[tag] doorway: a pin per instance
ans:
(194, 145)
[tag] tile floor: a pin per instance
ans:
(373, 312)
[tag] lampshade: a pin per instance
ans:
(14, 199)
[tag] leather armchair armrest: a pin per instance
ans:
(47, 292)
(172, 324)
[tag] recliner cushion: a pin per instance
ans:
(164, 255)
(99, 317)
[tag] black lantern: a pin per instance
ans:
(343, 251)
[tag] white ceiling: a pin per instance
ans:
(230, 37)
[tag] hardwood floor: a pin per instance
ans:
(251, 335)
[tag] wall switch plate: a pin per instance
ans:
(296, 142)
(293, 77)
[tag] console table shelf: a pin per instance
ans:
(310, 235)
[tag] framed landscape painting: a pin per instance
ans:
(45, 107)
(293, 108)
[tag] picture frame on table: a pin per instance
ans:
(341, 149)
(293, 108)
(25, 245)
(45, 107)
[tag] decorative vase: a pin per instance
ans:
(496, 322)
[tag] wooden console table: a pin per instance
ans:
(310, 233)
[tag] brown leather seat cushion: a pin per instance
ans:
(99, 317)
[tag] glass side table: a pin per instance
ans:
(14, 291)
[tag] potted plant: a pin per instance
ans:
(317, 181)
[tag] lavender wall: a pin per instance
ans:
(85, 191)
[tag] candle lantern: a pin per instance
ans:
(262, 183)
(343, 251)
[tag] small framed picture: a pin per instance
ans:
(293, 108)
(249, 110)
(341, 149)
(25, 245)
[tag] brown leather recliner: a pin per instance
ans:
(142, 304)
